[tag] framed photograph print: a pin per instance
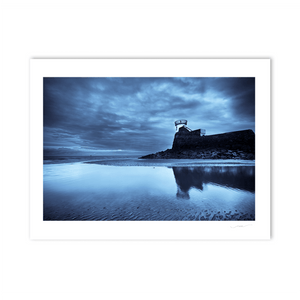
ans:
(149, 149)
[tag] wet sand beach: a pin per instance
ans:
(118, 189)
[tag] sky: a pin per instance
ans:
(136, 115)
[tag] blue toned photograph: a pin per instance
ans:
(149, 149)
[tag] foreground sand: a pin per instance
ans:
(92, 191)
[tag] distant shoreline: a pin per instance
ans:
(151, 162)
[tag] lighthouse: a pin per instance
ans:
(183, 123)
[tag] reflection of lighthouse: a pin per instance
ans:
(183, 123)
(186, 178)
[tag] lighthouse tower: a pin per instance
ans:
(181, 123)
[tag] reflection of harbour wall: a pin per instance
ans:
(241, 177)
(192, 140)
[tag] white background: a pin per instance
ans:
(141, 269)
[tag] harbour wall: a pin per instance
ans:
(243, 140)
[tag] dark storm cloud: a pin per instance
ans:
(139, 113)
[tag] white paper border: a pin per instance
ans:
(152, 230)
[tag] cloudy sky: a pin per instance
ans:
(136, 115)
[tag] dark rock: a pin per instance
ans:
(231, 145)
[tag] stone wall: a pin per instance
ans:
(237, 140)
(190, 145)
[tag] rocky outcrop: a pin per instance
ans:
(190, 145)
(206, 154)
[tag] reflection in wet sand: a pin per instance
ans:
(241, 177)
(78, 191)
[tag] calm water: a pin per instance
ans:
(118, 188)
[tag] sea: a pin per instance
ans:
(125, 188)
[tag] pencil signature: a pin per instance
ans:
(240, 226)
